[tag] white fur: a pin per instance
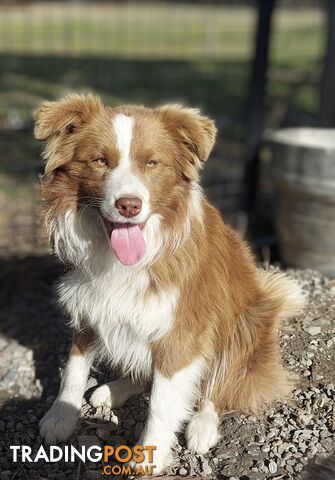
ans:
(111, 297)
(202, 431)
(216, 373)
(114, 299)
(112, 303)
(81, 240)
(115, 394)
(195, 204)
(171, 404)
(123, 180)
(77, 237)
(60, 421)
(118, 303)
(123, 129)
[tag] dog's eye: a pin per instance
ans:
(151, 163)
(101, 162)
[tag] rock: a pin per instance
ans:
(17, 371)
(6, 475)
(103, 433)
(207, 470)
(138, 429)
(88, 441)
(182, 471)
(92, 475)
(313, 330)
(304, 420)
(117, 440)
(251, 448)
(92, 382)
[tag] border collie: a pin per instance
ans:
(158, 285)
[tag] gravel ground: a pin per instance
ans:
(34, 344)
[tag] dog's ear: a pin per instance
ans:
(193, 133)
(65, 116)
(57, 123)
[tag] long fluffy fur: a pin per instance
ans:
(197, 294)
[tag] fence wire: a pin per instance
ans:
(194, 53)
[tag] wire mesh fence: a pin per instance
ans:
(194, 53)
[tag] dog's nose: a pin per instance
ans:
(129, 207)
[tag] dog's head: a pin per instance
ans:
(130, 164)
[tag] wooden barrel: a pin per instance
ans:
(304, 168)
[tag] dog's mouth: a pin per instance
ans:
(127, 241)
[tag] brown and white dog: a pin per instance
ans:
(159, 286)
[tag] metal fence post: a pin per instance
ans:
(257, 92)
(327, 106)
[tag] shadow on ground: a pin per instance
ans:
(29, 313)
(31, 322)
(282, 440)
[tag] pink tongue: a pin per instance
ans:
(128, 243)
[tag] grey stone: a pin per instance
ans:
(6, 475)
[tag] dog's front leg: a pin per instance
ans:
(171, 404)
(60, 421)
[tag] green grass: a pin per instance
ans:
(145, 53)
(136, 30)
(156, 30)
(154, 53)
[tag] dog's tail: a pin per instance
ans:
(252, 373)
(283, 294)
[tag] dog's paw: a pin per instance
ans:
(202, 433)
(160, 457)
(160, 461)
(58, 423)
(114, 394)
(101, 397)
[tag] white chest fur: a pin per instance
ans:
(126, 317)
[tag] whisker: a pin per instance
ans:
(90, 203)
(90, 198)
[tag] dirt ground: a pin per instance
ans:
(34, 342)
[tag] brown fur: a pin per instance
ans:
(226, 305)
(229, 312)
(78, 131)
(82, 341)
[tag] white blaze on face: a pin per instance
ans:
(123, 181)
(127, 239)
(123, 128)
